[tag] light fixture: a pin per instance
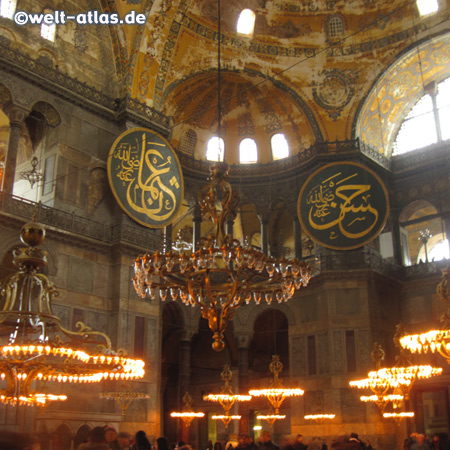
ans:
(271, 418)
(398, 416)
(187, 415)
(32, 176)
(434, 340)
(276, 393)
(319, 417)
(220, 274)
(227, 398)
(124, 397)
(392, 384)
(34, 344)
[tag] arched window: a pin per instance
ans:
(188, 142)
(427, 6)
(8, 8)
(335, 27)
(48, 31)
(280, 146)
(420, 127)
(215, 149)
(246, 22)
(248, 151)
(443, 105)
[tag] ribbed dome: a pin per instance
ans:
(252, 107)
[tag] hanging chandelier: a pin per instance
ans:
(226, 398)
(392, 384)
(319, 417)
(187, 415)
(221, 274)
(271, 418)
(434, 340)
(35, 347)
(124, 397)
(276, 393)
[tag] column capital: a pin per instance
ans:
(16, 114)
(242, 339)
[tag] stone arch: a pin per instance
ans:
(397, 89)
(49, 112)
(270, 337)
(421, 230)
(5, 97)
(81, 435)
(281, 230)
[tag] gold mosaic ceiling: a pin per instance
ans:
(327, 79)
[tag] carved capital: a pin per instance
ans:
(16, 114)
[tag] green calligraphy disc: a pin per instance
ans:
(145, 176)
(343, 205)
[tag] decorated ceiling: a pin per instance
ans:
(311, 81)
(314, 70)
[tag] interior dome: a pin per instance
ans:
(252, 107)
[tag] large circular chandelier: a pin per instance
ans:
(221, 274)
(434, 340)
(35, 347)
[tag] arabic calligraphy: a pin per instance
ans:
(145, 176)
(343, 205)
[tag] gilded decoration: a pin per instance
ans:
(343, 205)
(399, 88)
(335, 91)
(145, 176)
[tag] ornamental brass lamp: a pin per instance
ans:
(187, 415)
(34, 346)
(393, 384)
(271, 418)
(221, 274)
(226, 398)
(276, 393)
(124, 397)
(434, 340)
(319, 417)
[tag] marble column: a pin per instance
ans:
(16, 116)
(244, 407)
(184, 382)
(396, 240)
(297, 238)
(229, 225)
(264, 234)
(197, 226)
(167, 238)
(447, 229)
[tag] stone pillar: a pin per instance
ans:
(297, 238)
(396, 241)
(447, 229)
(197, 226)
(244, 407)
(167, 238)
(229, 225)
(184, 383)
(264, 234)
(16, 116)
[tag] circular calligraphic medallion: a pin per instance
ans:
(343, 205)
(145, 176)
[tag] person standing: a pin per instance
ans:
(266, 443)
(299, 444)
(141, 442)
(96, 440)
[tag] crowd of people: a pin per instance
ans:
(107, 438)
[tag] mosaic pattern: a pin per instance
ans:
(401, 85)
(334, 92)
